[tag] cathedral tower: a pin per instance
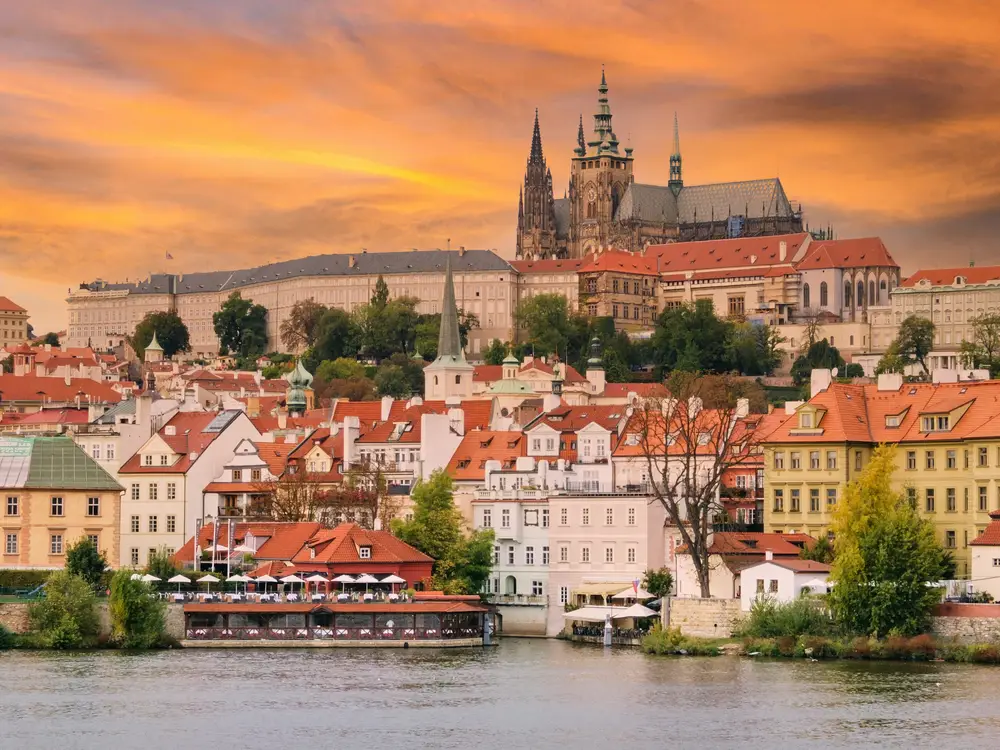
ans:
(600, 175)
(536, 217)
(676, 181)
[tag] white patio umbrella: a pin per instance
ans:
(149, 578)
(366, 580)
(209, 579)
(393, 579)
(243, 548)
(266, 579)
(135, 577)
(636, 610)
(292, 579)
(630, 593)
(179, 579)
(217, 548)
(342, 579)
(317, 578)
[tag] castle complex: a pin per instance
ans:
(604, 205)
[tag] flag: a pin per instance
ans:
(169, 256)
(635, 585)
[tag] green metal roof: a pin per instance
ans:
(50, 463)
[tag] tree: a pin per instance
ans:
(241, 327)
(294, 496)
(886, 556)
(171, 333)
(161, 564)
(822, 551)
(496, 352)
(461, 563)
(687, 443)
(67, 616)
(984, 348)
(753, 349)
(341, 368)
(380, 297)
(914, 341)
(336, 336)
(891, 361)
(820, 355)
(84, 560)
(138, 619)
(51, 339)
(353, 389)
(391, 380)
(658, 582)
(615, 369)
(7, 363)
(853, 370)
(298, 330)
(429, 326)
(692, 338)
(389, 328)
(546, 321)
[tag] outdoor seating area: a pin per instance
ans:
(355, 622)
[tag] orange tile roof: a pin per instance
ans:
(8, 305)
(275, 455)
(436, 606)
(620, 261)
(946, 276)
(991, 534)
(33, 388)
(646, 428)
(572, 418)
(468, 462)
(341, 545)
(477, 416)
(189, 439)
(493, 373)
(56, 416)
(233, 487)
(642, 390)
(282, 539)
(744, 252)
(854, 253)
(738, 542)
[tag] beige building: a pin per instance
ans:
(54, 494)
(13, 322)
(485, 285)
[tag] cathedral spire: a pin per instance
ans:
(605, 141)
(536, 143)
(581, 141)
(676, 179)
(449, 337)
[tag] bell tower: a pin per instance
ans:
(536, 215)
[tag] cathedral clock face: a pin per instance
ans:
(591, 194)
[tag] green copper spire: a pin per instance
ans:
(298, 380)
(154, 345)
(449, 337)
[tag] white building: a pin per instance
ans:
(781, 580)
(165, 479)
(986, 558)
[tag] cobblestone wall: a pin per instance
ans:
(969, 623)
(705, 618)
(14, 616)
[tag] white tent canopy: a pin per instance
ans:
(598, 614)
(630, 593)
(237, 578)
(135, 577)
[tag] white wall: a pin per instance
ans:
(985, 574)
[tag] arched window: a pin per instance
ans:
(861, 294)
(847, 294)
(616, 197)
(805, 296)
(458, 380)
(871, 293)
(591, 209)
(435, 380)
(824, 299)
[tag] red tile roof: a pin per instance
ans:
(27, 388)
(855, 253)
(642, 390)
(275, 455)
(56, 416)
(573, 418)
(620, 261)
(737, 542)
(189, 438)
(468, 462)
(272, 422)
(282, 539)
(477, 416)
(342, 544)
(991, 534)
(8, 305)
(493, 373)
(946, 276)
(438, 606)
(744, 252)
(233, 487)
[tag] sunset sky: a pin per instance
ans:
(232, 133)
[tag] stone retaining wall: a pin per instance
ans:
(14, 617)
(968, 623)
(705, 618)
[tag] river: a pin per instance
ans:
(521, 695)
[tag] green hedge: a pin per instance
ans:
(23, 579)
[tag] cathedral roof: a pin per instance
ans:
(753, 198)
(648, 203)
(721, 255)
(856, 253)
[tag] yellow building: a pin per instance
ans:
(54, 494)
(13, 322)
(948, 457)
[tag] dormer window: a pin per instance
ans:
(147, 460)
(237, 475)
(892, 420)
(365, 552)
(936, 423)
(806, 420)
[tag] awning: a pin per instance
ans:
(601, 589)
(599, 614)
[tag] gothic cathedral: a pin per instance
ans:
(604, 206)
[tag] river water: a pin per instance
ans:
(521, 695)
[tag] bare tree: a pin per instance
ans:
(292, 497)
(688, 442)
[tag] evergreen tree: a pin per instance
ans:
(171, 333)
(84, 560)
(241, 327)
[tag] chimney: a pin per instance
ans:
(890, 381)
(352, 262)
(782, 251)
(67, 379)
(819, 381)
(742, 408)
(768, 554)
(352, 431)
(550, 401)
(461, 250)
(282, 421)
(386, 407)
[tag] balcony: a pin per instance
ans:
(595, 488)
(519, 493)
(523, 600)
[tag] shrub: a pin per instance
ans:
(67, 616)
(818, 647)
(859, 648)
(84, 560)
(760, 647)
(786, 645)
(922, 647)
(984, 653)
(672, 641)
(769, 619)
(23, 579)
(137, 619)
(7, 639)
